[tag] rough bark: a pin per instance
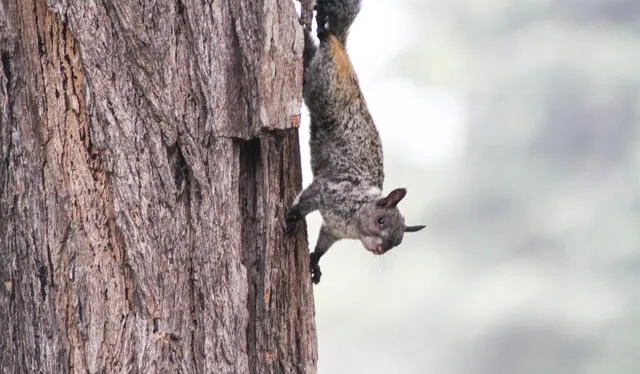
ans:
(147, 156)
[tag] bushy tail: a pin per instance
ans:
(336, 16)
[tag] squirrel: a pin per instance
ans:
(346, 152)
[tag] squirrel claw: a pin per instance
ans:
(291, 228)
(291, 220)
(315, 274)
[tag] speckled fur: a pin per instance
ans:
(346, 152)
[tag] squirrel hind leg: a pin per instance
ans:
(336, 17)
(321, 24)
(309, 47)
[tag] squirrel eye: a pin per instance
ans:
(382, 220)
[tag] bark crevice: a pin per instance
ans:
(250, 164)
(6, 69)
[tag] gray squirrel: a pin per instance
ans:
(346, 153)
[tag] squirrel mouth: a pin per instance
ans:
(372, 244)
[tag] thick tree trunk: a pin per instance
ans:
(146, 160)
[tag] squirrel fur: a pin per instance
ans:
(346, 152)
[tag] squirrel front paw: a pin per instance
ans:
(290, 228)
(314, 258)
(315, 273)
(291, 221)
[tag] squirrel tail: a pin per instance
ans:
(335, 17)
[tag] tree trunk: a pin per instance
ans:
(147, 156)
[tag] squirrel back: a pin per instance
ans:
(345, 144)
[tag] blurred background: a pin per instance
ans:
(515, 126)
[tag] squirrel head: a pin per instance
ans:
(381, 225)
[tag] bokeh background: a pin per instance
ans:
(515, 126)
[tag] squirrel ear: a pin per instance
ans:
(393, 198)
(414, 228)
